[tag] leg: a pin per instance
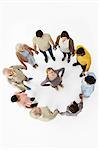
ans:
(32, 99)
(21, 86)
(64, 56)
(45, 55)
(77, 63)
(31, 61)
(51, 53)
(69, 56)
(34, 105)
(83, 72)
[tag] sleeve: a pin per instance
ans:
(62, 70)
(88, 64)
(57, 41)
(34, 41)
(80, 106)
(71, 46)
(44, 82)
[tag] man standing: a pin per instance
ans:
(43, 41)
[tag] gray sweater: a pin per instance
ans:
(56, 81)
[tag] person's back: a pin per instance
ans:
(88, 84)
(43, 42)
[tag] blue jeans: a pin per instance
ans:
(50, 52)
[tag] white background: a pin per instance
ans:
(19, 21)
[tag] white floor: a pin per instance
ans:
(19, 23)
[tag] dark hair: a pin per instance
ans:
(80, 51)
(90, 79)
(14, 98)
(65, 34)
(39, 33)
(74, 107)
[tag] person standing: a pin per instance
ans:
(44, 43)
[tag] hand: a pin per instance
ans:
(81, 96)
(36, 52)
(54, 47)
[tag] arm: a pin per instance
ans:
(44, 82)
(51, 41)
(22, 59)
(61, 70)
(71, 46)
(57, 41)
(29, 49)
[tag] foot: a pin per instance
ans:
(68, 60)
(32, 99)
(35, 66)
(28, 79)
(82, 74)
(61, 85)
(63, 58)
(46, 60)
(54, 58)
(75, 64)
(34, 105)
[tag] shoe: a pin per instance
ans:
(68, 60)
(54, 58)
(35, 66)
(32, 99)
(34, 105)
(29, 79)
(75, 64)
(82, 74)
(46, 60)
(61, 85)
(63, 58)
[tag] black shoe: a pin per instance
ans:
(68, 60)
(54, 58)
(32, 99)
(34, 105)
(81, 75)
(63, 58)
(75, 64)
(46, 60)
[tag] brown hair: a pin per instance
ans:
(74, 107)
(48, 69)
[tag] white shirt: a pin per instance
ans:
(64, 46)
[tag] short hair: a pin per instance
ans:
(48, 69)
(14, 98)
(65, 34)
(90, 79)
(39, 33)
(74, 107)
(80, 51)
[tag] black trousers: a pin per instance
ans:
(50, 52)
(82, 66)
(69, 55)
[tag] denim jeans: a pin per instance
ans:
(50, 52)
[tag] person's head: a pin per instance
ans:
(8, 71)
(74, 107)
(80, 51)
(50, 72)
(37, 111)
(39, 33)
(64, 35)
(14, 98)
(90, 79)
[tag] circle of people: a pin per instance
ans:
(43, 43)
